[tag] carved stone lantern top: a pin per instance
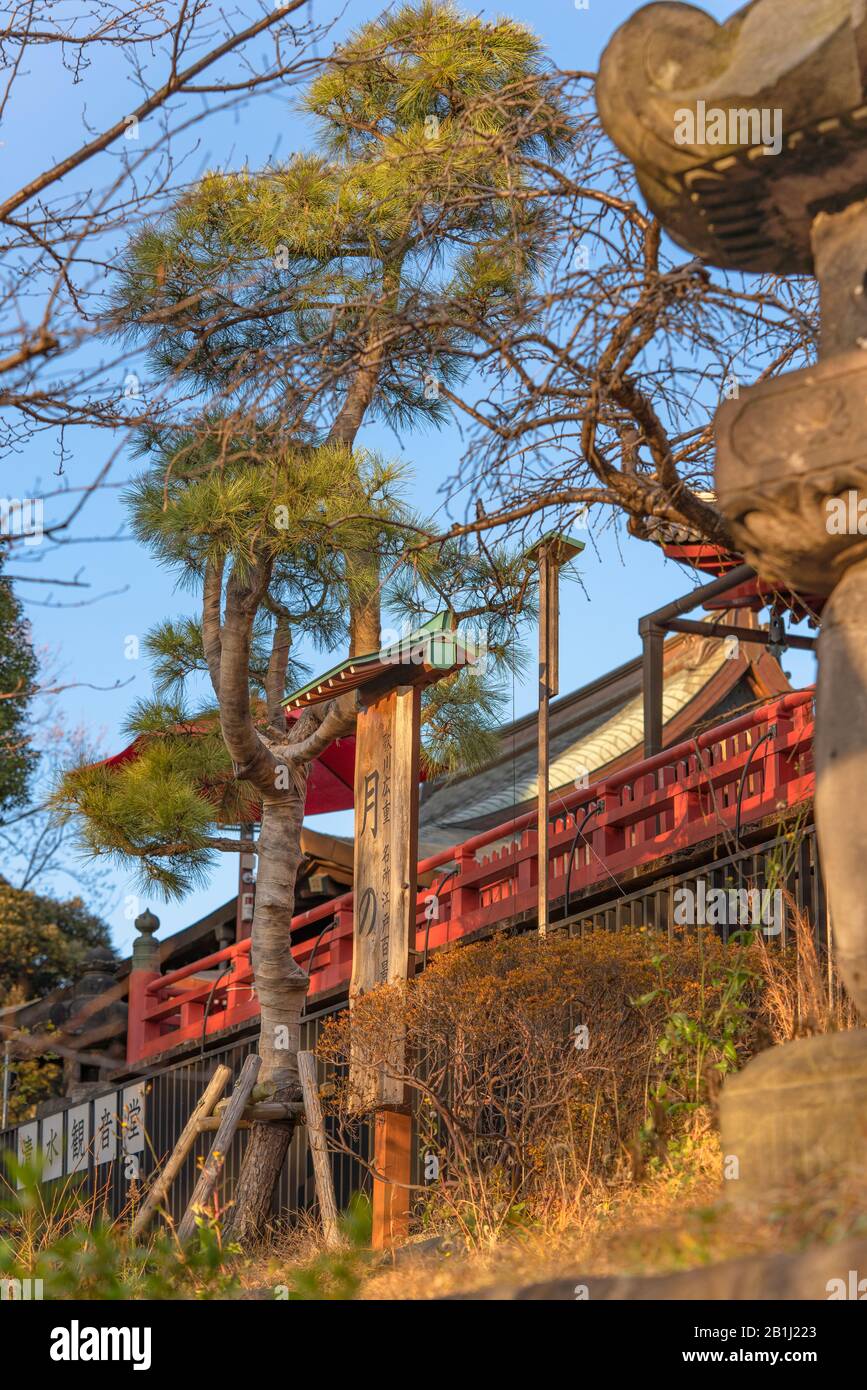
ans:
(741, 133)
(145, 948)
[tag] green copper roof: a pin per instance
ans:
(434, 647)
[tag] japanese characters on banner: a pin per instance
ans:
(91, 1133)
(105, 1128)
(78, 1138)
(133, 1129)
(28, 1143)
(51, 1144)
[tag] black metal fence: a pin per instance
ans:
(788, 866)
(789, 863)
(170, 1094)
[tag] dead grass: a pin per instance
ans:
(800, 997)
(677, 1218)
(668, 1213)
(672, 1221)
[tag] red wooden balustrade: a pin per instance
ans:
(680, 797)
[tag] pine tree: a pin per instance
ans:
(269, 307)
(17, 681)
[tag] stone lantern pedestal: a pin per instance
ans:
(791, 466)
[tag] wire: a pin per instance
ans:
(435, 894)
(592, 810)
(228, 970)
(770, 732)
(317, 942)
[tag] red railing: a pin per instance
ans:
(676, 799)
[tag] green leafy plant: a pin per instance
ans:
(63, 1241)
(699, 1045)
(337, 1275)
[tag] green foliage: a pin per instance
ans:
(426, 119)
(460, 716)
(42, 942)
(700, 1044)
(79, 1258)
(337, 1275)
(281, 310)
(17, 678)
(156, 814)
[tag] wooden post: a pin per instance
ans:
(549, 646)
(386, 846)
(550, 554)
(318, 1148)
(392, 1158)
(232, 1116)
(384, 896)
(159, 1191)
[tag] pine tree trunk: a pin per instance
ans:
(281, 987)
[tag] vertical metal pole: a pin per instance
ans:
(549, 622)
(653, 639)
(246, 888)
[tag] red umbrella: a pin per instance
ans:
(329, 784)
(331, 779)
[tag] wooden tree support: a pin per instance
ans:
(268, 1111)
(227, 1117)
(213, 1166)
(319, 1148)
(211, 1123)
(200, 1116)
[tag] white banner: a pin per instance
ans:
(78, 1138)
(133, 1119)
(105, 1128)
(28, 1142)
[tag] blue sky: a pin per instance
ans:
(621, 578)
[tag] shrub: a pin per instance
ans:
(532, 1063)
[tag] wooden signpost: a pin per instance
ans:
(389, 685)
(384, 894)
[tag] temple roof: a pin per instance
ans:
(598, 729)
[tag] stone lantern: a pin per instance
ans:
(749, 140)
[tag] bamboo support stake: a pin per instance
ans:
(210, 1173)
(319, 1148)
(160, 1189)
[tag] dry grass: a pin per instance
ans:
(35, 1220)
(670, 1214)
(677, 1218)
(801, 997)
(585, 1206)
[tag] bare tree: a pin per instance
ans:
(185, 62)
(599, 390)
